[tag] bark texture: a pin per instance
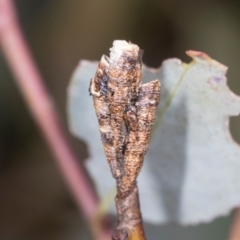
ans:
(125, 110)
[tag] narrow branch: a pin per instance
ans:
(126, 111)
(235, 228)
(129, 216)
(38, 99)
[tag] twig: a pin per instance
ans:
(126, 111)
(41, 107)
(235, 228)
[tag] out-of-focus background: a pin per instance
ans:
(34, 200)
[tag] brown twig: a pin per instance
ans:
(235, 228)
(126, 111)
(41, 107)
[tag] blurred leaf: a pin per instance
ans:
(191, 170)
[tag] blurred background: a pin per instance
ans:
(34, 200)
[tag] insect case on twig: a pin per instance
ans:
(125, 110)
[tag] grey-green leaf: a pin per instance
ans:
(191, 171)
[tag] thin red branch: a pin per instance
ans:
(41, 107)
(235, 228)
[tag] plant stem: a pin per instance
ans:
(235, 228)
(130, 219)
(39, 101)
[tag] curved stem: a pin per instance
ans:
(38, 99)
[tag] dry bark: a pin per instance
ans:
(125, 110)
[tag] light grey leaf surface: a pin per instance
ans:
(191, 170)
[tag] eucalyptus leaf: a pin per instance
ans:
(191, 170)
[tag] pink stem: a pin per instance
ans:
(235, 228)
(41, 107)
